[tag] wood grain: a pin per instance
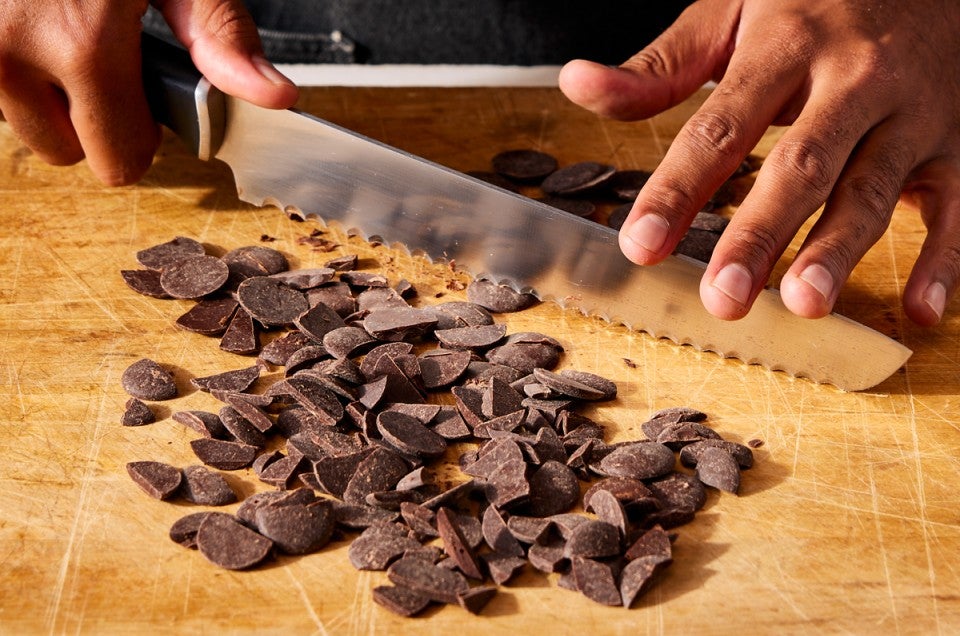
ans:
(848, 523)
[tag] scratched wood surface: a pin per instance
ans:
(850, 521)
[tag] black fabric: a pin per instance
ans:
(516, 32)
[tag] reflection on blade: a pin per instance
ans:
(292, 160)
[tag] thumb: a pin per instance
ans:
(224, 44)
(695, 49)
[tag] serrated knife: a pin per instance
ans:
(300, 163)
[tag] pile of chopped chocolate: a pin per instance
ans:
(361, 436)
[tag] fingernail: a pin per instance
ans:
(936, 298)
(650, 232)
(269, 71)
(819, 278)
(735, 282)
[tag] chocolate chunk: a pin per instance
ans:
(606, 387)
(637, 576)
(305, 357)
(456, 546)
(678, 435)
(380, 470)
(209, 317)
(409, 436)
(145, 282)
(593, 539)
(317, 399)
(398, 324)
(577, 178)
(554, 488)
(498, 298)
(250, 411)
(652, 543)
(255, 260)
(203, 422)
(270, 302)
(234, 381)
(194, 277)
(529, 529)
(147, 380)
(439, 584)
(717, 467)
(157, 479)
(345, 263)
(304, 279)
(230, 544)
(548, 556)
(364, 279)
(690, 455)
(440, 368)
(596, 581)
(626, 184)
(679, 491)
(205, 487)
(400, 600)
(240, 336)
(609, 509)
(240, 428)
(698, 244)
(336, 295)
(638, 460)
(136, 413)
(223, 454)
(476, 598)
(318, 321)
(458, 313)
(497, 535)
(278, 351)
(572, 386)
(161, 256)
(524, 164)
(184, 530)
(502, 567)
(380, 545)
(296, 529)
(346, 341)
(499, 399)
(632, 494)
(472, 337)
(524, 356)
(507, 484)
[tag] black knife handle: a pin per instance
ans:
(180, 97)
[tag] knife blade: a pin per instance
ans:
(302, 164)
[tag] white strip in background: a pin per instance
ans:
(433, 75)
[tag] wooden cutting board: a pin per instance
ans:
(850, 520)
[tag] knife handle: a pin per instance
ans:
(181, 98)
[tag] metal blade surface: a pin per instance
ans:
(296, 161)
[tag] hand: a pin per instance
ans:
(70, 84)
(872, 90)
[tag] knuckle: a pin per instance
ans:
(715, 131)
(807, 161)
(875, 198)
(757, 244)
(651, 60)
(672, 199)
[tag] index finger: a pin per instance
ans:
(707, 150)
